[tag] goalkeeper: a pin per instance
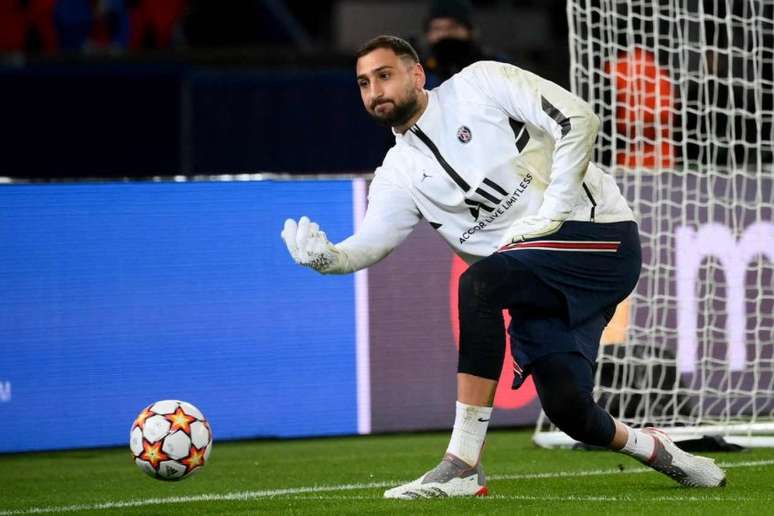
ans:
(496, 159)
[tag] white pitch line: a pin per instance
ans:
(240, 495)
(598, 472)
(272, 493)
(574, 498)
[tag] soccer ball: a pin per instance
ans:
(170, 440)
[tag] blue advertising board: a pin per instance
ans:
(116, 295)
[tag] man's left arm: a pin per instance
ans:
(567, 118)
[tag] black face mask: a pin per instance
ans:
(452, 55)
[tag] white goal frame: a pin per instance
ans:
(684, 90)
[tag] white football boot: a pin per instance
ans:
(452, 477)
(689, 470)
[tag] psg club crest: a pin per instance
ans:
(464, 135)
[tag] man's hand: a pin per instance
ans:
(310, 247)
(533, 226)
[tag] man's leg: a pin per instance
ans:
(474, 390)
(564, 382)
(485, 289)
(473, 410)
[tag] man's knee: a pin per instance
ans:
(581, 418)
(565, 387)
(482, 279)
(482, 332)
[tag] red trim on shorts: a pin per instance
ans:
(587, 246)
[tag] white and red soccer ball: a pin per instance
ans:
(170, 440)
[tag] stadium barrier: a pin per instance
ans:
(118, 294)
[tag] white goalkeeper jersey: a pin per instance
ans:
(495, 143)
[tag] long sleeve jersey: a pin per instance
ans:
(495, 143)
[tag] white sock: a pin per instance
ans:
(469, 432)
(639, 444)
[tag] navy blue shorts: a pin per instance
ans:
(594, 267)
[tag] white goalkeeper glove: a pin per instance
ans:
(311, 248)
(533, 226)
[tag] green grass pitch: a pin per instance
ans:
(348, 476)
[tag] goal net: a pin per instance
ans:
(684, 89)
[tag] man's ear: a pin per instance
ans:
(419, 76)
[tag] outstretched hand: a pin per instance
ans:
(309, 246)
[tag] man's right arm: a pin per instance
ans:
(390, 217)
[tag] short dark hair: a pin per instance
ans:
(401, 47)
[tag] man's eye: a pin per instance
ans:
(384, 76)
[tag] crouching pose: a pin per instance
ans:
(496, 159)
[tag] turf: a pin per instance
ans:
(348, 476)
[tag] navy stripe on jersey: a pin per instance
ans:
(591, 198)
(494, 186)
(520, 133)
(557, 115)
(486, 195)
(448, 168)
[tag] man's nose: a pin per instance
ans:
(376, 91)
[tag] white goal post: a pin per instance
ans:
(685, 92)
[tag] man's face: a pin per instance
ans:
(446, 28)
(389, 86)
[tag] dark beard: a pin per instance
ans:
(401, 114)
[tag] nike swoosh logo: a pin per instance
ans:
(482, 420)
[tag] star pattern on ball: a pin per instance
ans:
(195, 458)
(180, 421)
(145, 414)
(152, 453)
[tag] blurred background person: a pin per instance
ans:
(450, 40)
